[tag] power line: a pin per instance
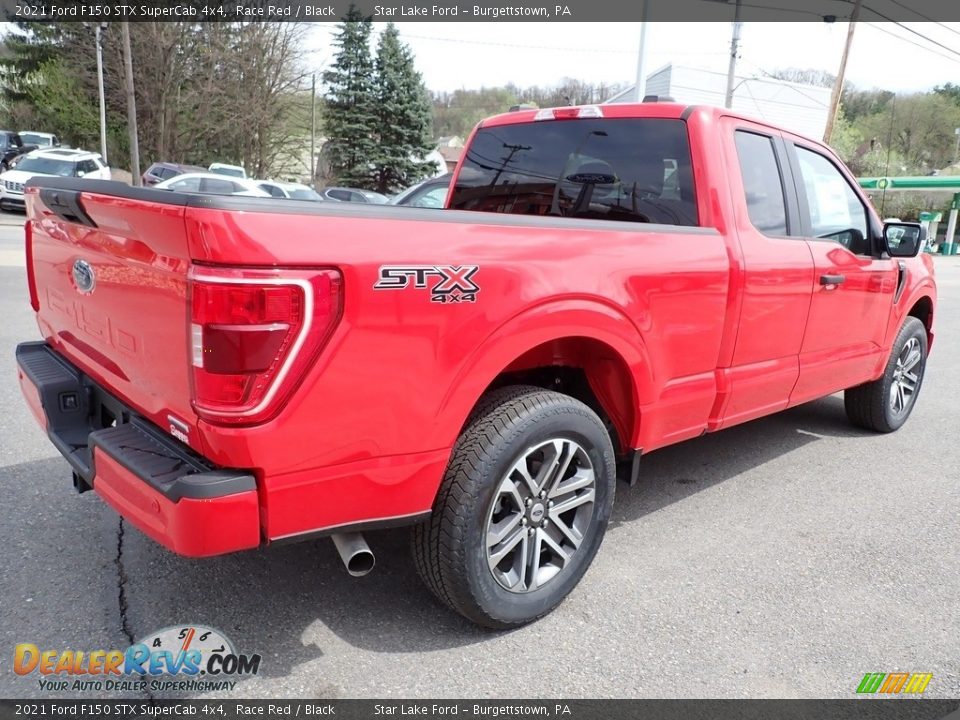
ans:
(745, 82)
(882, 29)
(779, 81)
(911, 30)
(792, 11)
(925, 17)
(928, 39)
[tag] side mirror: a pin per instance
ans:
(80, 173)
(904, 239)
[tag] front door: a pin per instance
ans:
(854, 284)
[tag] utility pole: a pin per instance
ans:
(734, 49)
(838, 84)
(98, 33)
(313, 129)
(131, 105)
(641, 85)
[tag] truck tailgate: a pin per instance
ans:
(110, 279)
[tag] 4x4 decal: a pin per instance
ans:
(447, 283)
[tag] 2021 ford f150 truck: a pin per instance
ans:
(228, 372)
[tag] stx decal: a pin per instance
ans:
(447, 283)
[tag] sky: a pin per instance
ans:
(471, 55)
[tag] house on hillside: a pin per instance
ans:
(451, 148)
(803, 109)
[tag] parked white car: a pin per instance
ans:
(56, 162)
(212, 184)
(229, 170)
(41, 139)
(291, 191)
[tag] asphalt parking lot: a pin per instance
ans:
(782, 558)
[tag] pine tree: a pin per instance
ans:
(350, 118)
(404, 111)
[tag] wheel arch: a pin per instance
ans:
(922, 309)
(585, 348)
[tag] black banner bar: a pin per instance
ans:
(479, 10)
(854, 709)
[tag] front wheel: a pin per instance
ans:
(885, 404)
(522, 509)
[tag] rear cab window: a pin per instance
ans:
(762, 183)
(218, 187)
(625, 169)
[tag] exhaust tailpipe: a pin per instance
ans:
(356, 554)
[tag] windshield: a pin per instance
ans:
(304, 194)
(232, 172)
(635, 170)
(32, 139)
(47, 166)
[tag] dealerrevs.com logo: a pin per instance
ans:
(190, 658)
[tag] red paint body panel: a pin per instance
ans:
(32, 397)
(688, 330)
(190, 527)
(130, 333)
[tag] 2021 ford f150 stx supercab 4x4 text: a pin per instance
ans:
(229, 372)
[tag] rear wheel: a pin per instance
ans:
(522, 509)
(885, 404)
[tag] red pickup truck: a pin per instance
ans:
(606, 280)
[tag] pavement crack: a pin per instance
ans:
(122, 580)
(122, 586)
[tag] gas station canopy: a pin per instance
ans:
(946, 183)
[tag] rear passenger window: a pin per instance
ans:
(191, 184)
(272, 190)
(762, 183)
(626, 169)
(217, 187)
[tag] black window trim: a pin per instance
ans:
(791, 209)
(876, 249)
(694, 184)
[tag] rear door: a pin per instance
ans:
(854, 284)
(776, 279)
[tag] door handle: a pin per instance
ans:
(832, 279)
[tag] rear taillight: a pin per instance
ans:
(31, 275)
(253, 335)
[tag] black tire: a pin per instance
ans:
(873, 405)
(450, 549)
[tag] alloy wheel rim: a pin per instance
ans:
(906, 377)
(540, 514)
